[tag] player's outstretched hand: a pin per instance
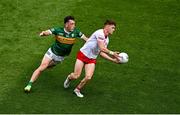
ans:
(42, 33)
(115, 60)
(116, 54)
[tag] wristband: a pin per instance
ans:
(111, 52)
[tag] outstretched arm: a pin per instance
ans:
(45, 33)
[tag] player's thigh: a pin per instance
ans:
(89, 70)
(46, 61)
(78, 67)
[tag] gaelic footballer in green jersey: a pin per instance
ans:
(64, 40)
(63, 43)
(65, 37)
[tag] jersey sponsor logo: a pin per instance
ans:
(65, 40)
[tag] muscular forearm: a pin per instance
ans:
(104, 55)
(103, 48)
(107, 51)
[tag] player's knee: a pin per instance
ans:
(76, 75)
(43, 66)
(87, 78)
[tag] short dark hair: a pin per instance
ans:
(110, 22)
(67, 18)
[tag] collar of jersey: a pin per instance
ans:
(67, 31)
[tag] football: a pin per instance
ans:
(123, 57)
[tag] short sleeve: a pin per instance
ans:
(99, 36)
(79, 33)
(54, 31)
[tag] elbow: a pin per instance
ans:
(103, 49)
(100, 53)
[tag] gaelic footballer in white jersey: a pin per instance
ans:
(91, 48)
(86, 57)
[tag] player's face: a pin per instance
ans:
(70, 25)
(111, 29)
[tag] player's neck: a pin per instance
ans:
(106, 33)
(65, 30)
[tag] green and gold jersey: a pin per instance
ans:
(64, 40)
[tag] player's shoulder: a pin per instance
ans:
(56, 28)
(59, 28)
(99, 32)
(76, 30)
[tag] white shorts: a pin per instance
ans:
(53, 56)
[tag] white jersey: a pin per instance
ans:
(91, 48)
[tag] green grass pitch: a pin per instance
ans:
(148, 30)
